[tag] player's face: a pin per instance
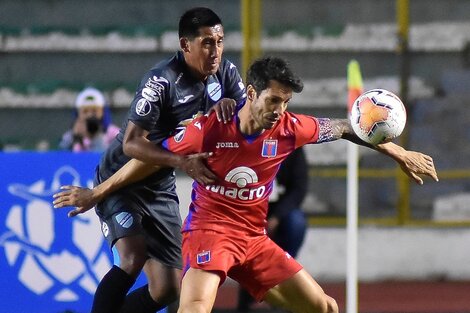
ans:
(269, 106)
(204, 53)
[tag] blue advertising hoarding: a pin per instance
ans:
(48, 262)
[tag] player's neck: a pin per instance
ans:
(197, 75)
(192, 68)
(247, 124)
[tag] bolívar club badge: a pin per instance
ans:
(269, 148)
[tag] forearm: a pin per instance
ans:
(147, 152)
(391, 149)
(132, 171)
(334, 129)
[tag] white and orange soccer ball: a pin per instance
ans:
(378, 116)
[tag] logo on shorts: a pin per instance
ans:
(124, 219)
(105, 229)
(203, 257)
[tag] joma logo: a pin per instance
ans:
(227, 145)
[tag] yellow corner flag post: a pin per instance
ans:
(355, 89)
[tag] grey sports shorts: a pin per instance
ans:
(152, 212)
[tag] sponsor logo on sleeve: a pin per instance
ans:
(150, 94)
(143, 107)
(180, 135)
(156, 84)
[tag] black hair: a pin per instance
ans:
(195, 18)
(272, 68)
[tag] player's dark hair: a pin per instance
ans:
(195, 18)
(271, 68)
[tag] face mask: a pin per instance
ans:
(93, 125)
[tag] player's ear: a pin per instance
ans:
(250, 92)
(184, 44)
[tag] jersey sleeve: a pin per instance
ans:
(233, 84)
(152, 92)
(306, 129)
(189, 139)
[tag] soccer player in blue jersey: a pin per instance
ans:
(142, 222)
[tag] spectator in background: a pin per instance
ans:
(92, 129)
(286, 220)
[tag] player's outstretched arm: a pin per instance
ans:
(84, 199)
(413, 163)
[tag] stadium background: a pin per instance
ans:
(49, 50)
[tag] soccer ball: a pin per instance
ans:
(378, 116)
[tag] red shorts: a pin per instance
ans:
(255, 262)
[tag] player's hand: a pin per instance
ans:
(83, 199)
(415, 164)
(194, 165)
(224, 109)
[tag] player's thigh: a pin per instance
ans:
(198, 291)
(299, 294)
(163, 280)
(132, 253)
(162, 226)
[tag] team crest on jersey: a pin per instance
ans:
(142, 107)
(203, 257)
(214, 90)
(269, 149)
